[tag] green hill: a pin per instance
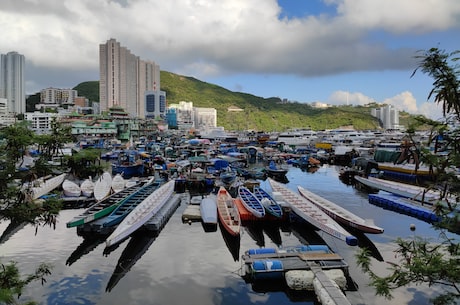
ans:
(261, 114)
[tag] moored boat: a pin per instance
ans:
(268, 202)
(341, 215)
(228, 212)
(118, 183)
(208, 209)
(250, 202)
(129, 204)
(129, 164)
(103, 186)
(44, 186)
(87, 187)
(142, 213)
(276, 172)
(313, 214)
(70, 188)
(406, 190)
(103, 207)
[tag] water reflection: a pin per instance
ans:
(11, 229)
(272, 230)
(232, 242)
(254, 230)
(87, 245)
(365, 242)
(136, 247)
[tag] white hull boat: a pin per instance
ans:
(313, 214)
(142, 213)
(208, 209)
(87, 187)
(118, 183)
(103, 186)
(406, 190)
(43, 187)
(339, 214)
(70, 189)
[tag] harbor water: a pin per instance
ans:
(184, 264)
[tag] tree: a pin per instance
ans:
(15, 206)
(419, 260)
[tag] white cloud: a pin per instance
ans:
(349, 98)
(232, 35)
(405, 101)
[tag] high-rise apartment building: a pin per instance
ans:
(125, 78)
(12, 84)
(388, 115)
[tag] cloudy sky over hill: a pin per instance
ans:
(330, 51)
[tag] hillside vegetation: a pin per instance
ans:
(260, 114)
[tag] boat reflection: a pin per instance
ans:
(11, 229)
(232, 242)
(136, 247)
(306, 233)
(254, 230)
(86, 246)
(365, 242)
(272, 230)
(267, 286)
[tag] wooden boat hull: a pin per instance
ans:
(129, 204)
(340, 214)
(142, 213)
(102, 208)
(228, 212)
(250, 202)
(312, 214)
(270, 204)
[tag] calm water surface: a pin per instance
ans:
(186, 265)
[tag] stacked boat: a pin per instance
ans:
(142, 213)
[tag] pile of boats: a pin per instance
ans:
(120, 213)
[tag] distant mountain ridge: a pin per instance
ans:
(260, 114)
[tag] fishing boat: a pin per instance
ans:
(208, 210)
(228, 212)
(227, 176)
(129, 164)
(276, 172)
(42, 187)
(70, 188)
(142, 213)
(250, 202)
(339, 214)
(103, 186)
(271, 206)
(87, 187)
(313, 214)
(103, 207)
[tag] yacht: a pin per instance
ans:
(296, 138)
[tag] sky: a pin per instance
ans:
(330, 51)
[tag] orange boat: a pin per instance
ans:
(228, 212)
